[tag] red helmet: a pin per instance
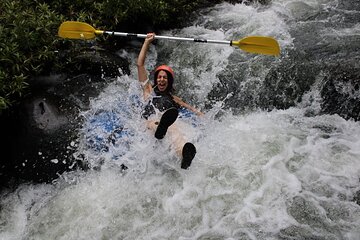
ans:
(165, 68)
(169, 71)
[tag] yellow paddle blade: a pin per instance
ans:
(77, 30)
(258, 44)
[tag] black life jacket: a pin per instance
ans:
(161, 101)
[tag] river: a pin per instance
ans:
(260, 172)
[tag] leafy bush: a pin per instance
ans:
(127, 14)
(27, 40)
(28, 31)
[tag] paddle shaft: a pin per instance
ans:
(252, 44)
(122, 34)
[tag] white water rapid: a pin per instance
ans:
(280, 174)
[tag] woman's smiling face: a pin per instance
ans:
(162, 81)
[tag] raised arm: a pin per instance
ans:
(142, 73)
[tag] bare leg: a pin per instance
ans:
(177, 138)
(183, 149)
(152, 124)
(174, 134)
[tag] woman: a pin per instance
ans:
(160, 97)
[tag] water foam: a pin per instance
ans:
(261, 175)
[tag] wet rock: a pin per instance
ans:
(349, 5)
(338, 85)
(40, 140)
(341, 92)
(325, 64)
(357, 197)
(99, 63)
(285, 85)
(42, 131)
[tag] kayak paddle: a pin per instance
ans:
(252, 44)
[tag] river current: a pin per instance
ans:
(258, 174)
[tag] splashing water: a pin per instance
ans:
(258, 175)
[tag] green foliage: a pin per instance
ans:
(27, 40)
(28, 32)
(125, 14)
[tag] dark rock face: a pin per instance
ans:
(341, 92)
(41, 132)
(338, 86)
(357, 197)
(320, 60)
(285, 84)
